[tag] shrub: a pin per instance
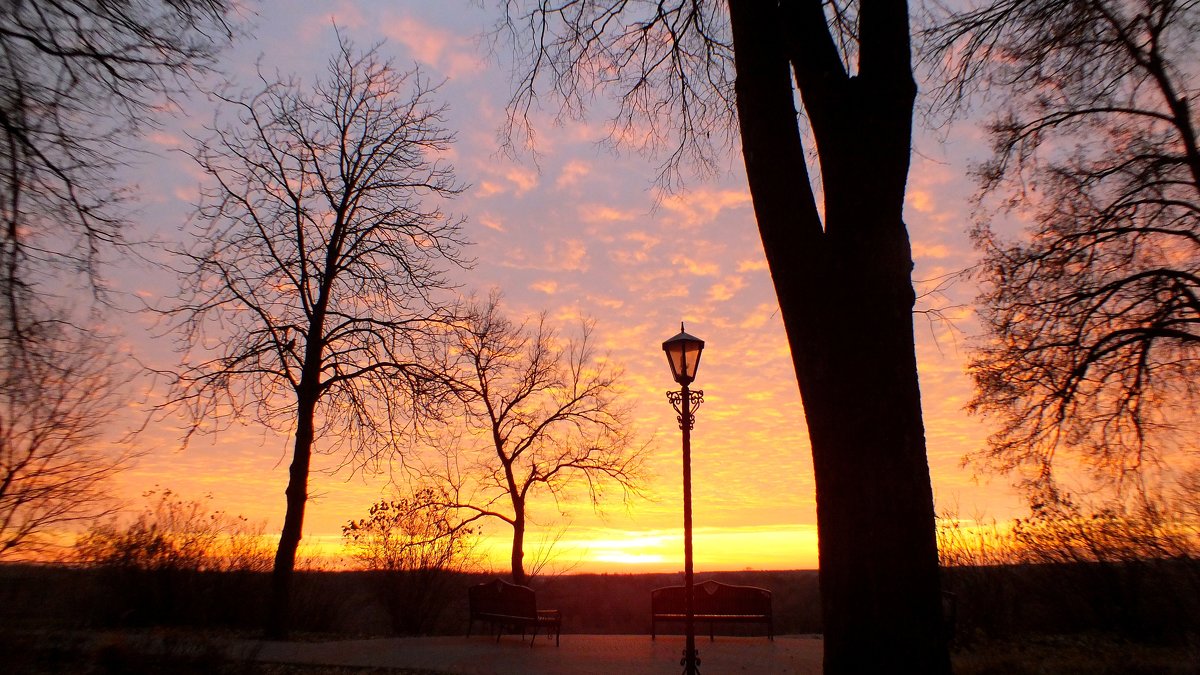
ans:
(178, 561)
(412, 547)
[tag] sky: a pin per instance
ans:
(581, 231)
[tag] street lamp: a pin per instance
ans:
(683, 355)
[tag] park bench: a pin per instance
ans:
(509, 606)
(714, 603)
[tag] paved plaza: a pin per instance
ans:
(578, 654)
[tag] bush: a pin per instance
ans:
(178, 562)
(412, 549)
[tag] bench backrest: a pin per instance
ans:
(712, 597)
(502, 598)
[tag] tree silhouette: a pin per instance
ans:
(312, 289)
(1093, 318)
(540, 416)
(79, 78)
(682, 71)
(55, 398)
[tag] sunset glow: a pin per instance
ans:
(578, 231)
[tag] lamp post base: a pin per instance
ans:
(690, 662)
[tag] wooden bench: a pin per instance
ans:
(509, 606)
(715, 603)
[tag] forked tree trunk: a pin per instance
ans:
(846, 298)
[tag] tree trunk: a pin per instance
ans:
(278, 611)
(846, 298)
(518, 546)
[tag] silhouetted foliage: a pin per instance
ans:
(679, 70)
(55, 399)
(312, 297)
(411, 545)
(537, 416)
(179, 561)
(179, 534)
(1093, 316)
(1134, 571)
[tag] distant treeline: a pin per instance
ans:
(1150, 601)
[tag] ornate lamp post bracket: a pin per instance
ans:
(695, 398)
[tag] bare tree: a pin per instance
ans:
(55, 398)
(78, 78)
(1093, 317)
(679, 70)
(540, 417)
(318, 257)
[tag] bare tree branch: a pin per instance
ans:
(1092, 320)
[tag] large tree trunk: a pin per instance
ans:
(279, 607)
(846, 298)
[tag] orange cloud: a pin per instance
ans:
(695, 267)
(701, 206)
(753, 265)
(726, 289)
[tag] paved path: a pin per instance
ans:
(578, 655)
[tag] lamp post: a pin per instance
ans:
(683, 355)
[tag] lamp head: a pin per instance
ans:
(683, 355)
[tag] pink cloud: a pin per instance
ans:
(451, 53)
(598, 213)
(572, 173)
(491, 223)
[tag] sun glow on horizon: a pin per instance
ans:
(594, 550)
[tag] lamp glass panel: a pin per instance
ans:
(684, 357)
(691, 359)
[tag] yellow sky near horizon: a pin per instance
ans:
(577, 233)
